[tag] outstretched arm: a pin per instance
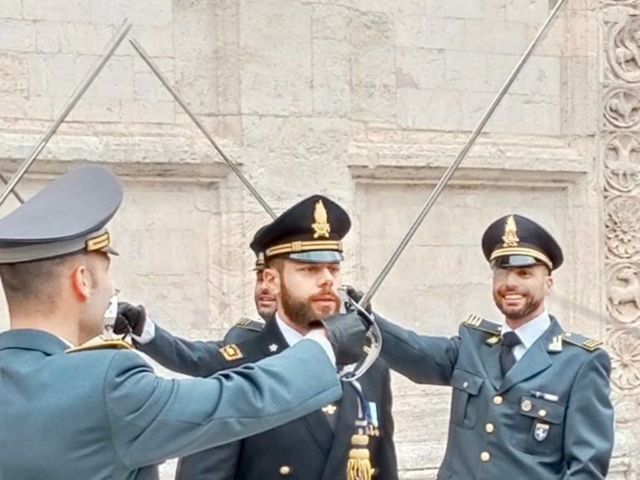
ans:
(423, 359)
(154, 418)
(190, 357)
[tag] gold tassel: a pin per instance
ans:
(359, 465)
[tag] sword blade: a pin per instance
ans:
(14, 191)
(156, 71)
(73, 100)
(433, 197)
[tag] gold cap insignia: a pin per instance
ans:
(510, 237)
(231, 353)
(321, 226)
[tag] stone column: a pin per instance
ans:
(620, 155)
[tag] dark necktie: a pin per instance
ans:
(507, 359)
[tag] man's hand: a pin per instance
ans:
(130, 319)
(356, 295)
(347, 335)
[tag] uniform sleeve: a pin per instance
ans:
(422, 359)
(238, 334)
(154, 418)
(386, 461)
(214, 464)
(193, 358)
(588, 441)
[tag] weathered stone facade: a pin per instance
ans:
(367, 101)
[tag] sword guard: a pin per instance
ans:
(371, 350)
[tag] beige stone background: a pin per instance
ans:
(367, 101)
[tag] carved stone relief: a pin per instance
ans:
(623, 292)
(621, 172)
(622, 225)
(622, 107)
(624, 348)
(624, 49)
(622, 162)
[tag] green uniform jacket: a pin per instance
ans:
(104, 414)
(549, 418)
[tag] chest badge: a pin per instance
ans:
(273, 348)
(541, 431)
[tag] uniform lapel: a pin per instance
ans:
(491, 363)
(273, 341)
(534, 361)
(335, 467)
(315, 422)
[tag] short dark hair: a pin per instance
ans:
(276, 263)
(32, 281)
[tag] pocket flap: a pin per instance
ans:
(541, 409)
(468, 382)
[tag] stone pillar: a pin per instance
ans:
(620, 157)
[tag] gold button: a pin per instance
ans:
(497, 400)
(526, 405)
(542, 413)
(485, 456)
(285, 470)
(489, 428)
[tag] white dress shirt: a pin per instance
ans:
(292, 336)
(528, 333)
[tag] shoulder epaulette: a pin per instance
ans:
(478, 323)
(587, 343)
(231, 352)
(99, 343)
(249, 324)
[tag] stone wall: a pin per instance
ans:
(367, 101)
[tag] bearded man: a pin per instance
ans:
(302, 254)
(530, 401)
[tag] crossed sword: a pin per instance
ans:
(374, 335)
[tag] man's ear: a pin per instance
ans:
(548, 284)
(271, 278)
(81, 281)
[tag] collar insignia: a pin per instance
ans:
(321, 225)
(510, 237)
(556, 344)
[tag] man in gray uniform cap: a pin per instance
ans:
(530, 401)
(98, 411)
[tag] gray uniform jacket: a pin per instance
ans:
(550, 417)
(104, 414)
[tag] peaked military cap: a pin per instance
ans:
(68, 216)
(260, 265)
(310, 231)
(516, 241)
